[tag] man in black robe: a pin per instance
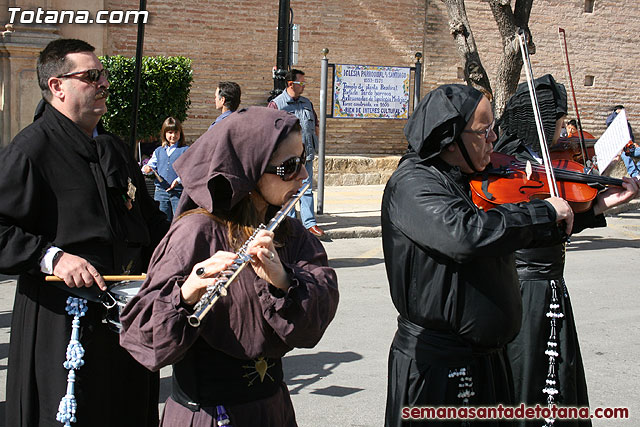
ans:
(73, 205)
(450, 265)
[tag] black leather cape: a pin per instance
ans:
(453, 281)
(526, 353)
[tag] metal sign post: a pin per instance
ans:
(324, 66)
(417, 80)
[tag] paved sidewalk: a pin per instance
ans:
(351, 211)
(354, 211)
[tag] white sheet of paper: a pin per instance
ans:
(612, 141)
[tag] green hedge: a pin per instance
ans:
(164, 91)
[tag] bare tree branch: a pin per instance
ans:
(474, 73)
(508, 21)
(522, 12)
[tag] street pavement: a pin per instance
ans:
(342, 381)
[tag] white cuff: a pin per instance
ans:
(46, 265)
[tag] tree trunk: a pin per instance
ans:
(474, 73)
(509, 22)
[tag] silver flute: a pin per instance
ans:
(225, 278)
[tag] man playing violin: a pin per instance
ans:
(450, 265)
(556, 376)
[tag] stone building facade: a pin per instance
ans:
(236, 40)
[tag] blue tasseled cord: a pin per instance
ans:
(76, 307)
(222, 418)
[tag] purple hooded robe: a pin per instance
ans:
(222, 361)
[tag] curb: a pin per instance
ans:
(376, 230)
(354, 232)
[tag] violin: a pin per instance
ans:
(629, 148)
(507, 180)
(570, 148)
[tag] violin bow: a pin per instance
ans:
(544, 149)
(583, 146)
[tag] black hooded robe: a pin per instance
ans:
(537, 268)
(451, 271)
(61, 188)
(541, 269)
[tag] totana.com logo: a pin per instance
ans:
(41, 16)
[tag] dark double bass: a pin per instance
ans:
(576, 146)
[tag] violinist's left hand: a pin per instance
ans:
(614, 196)
(266, 262)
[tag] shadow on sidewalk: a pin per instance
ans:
(331, 222)
(303, 370)
(354, 262)
(5, 319)
(592, 243)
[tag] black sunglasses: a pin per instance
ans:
(92, 75)
(288, 169)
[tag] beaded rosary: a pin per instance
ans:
(552, 351)
(465, 387)
(76, 307)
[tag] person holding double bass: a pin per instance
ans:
(450, 265)
(545, 355)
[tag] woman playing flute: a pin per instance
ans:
(229, 370)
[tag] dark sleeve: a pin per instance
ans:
(155, 329)
(154, 218)
(438, 219)
(587, 219)
(316, 118)
(301, 315)
(21, 246)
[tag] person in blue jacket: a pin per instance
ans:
(292, 101)
(631, 154)
(167, 182)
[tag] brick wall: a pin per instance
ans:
(601, 44)
(237, 41)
